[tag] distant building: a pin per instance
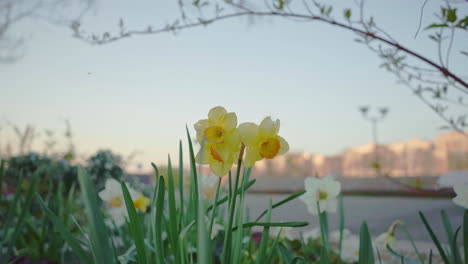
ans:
(413, 158)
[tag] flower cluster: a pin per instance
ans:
(113, 198)
(223, 142)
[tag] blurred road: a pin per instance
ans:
(379, 212)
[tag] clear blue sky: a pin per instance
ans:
(142, 91)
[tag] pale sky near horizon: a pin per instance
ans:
(141, 92)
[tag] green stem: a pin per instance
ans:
(213, 214)
(232, 206)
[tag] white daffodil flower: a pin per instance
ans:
(335, 235)
(113, 198)
(321, 190)
(350, 249)
(282, 232)
(313, 233)
(462, 195)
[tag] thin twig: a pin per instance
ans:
(169, 28)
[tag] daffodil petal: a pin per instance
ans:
(105, 194)
(461, 189)
(201, 125)
(203, 155)
(230, 121)
(277, 126)
(232, 141)
(141, 203)
(462, 195)
(461, 201)
(330, 205)
(216, 115)
(220, 168)
(251, 156)
(249, 134)
(267, 127)
(225, 152)
(284, 146)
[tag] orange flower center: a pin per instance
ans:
(214, 134)
(215, 154)
(116, 201)
(269, 148)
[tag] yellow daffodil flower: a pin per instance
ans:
(218, 156)
(262, 141)
(219, 128)
(220, 139)
(141, 204)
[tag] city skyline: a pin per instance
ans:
(413, 157)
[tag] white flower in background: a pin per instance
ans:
(313, 233)
(453, 178)
(335, 235)
(350, 248)
(282, 232)
(113, 198)
(321, 190)
(385, 239)
(462, 195)
(209, 183)
(349, 245)
(388, 238)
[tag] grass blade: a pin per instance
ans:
(285, 200)
(284, 253)
(449, 233)
(273, 249)
(181, 185)
(173, 229)
(25, 209)
(341, 224)
(2, 172)
(264, 241)
(227, 247)
(465, 235)
(98, 234)
(66, 234)
(410, 238)
(366, 254)
(203, 244)
(434, 238)
(401, 257)
(182, 249)
(239, 232)
(324, 258)
(135, 226)
(159, 204)
(323, 222)
(194, 178)
(272, 224)
(447, 225)
(380, 259)
(226, 198)
(453, 244)
(213, 214)
(11, 210)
